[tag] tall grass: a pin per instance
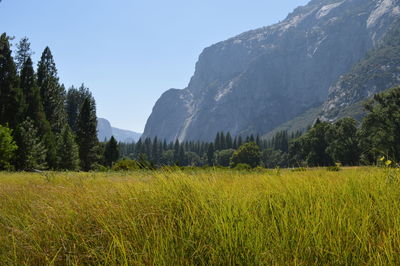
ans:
(219, 217)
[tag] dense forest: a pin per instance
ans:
(346, 142)
(44, 126)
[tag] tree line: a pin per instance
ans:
(346, 142)
(44, 126)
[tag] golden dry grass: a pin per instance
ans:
(212, 217)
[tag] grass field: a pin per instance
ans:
(217, 217)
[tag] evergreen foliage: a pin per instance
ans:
(68, 151)
(58, 130)
(7, 148)
(10, 96)
(111, 153)
(74, 101)
(23, 53)
(33, 102)
(51, 92)
(87, 134)
(31, 152)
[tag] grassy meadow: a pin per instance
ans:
(213, 217)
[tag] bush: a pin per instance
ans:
(96, 167)
(171, 168)
(299, 169)
(222, 158)
(125, 165)
(242, 166)
(334, 168)
(260, 169)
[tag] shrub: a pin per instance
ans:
(260, 169)
(96, 167)
(125, 165)
(299, 169)
(334, 168)
(242, 166)
(222, 158)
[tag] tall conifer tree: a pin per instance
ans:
(31, 152)
(68, 151)
(11, 102)
(23, 53)
(87, 134)
(34, 109)
(111, 152)
(74, 100)
(34, 106)
(52, 93)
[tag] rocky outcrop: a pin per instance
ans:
(256, 81)
(378, 71)
(105, 131)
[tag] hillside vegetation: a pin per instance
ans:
(219, 217)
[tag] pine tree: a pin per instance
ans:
(11, 102)
(51, 92)
(34, 109)
(34, 106)
(165, 145)
(217, 142)
(222, 141)
(87, 134)
(31, 152)
(229, 144)
(235, 145)
(181, 156)
(23, 53)
(210, 154)
(154, 151)
(138, 148)
(50, 142)
(258, 141)
(147, 148)
(176, 150)
(74, 100)
(68, 151)
(111, 152)
(240, 141)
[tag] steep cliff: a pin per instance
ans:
(378, 71)
(256, 81)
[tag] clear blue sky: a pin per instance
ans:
(128, 52)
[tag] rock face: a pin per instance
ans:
(105, 131)
(258, 80)
(378, 71)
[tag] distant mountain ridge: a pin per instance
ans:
(261, 79)
(105, 131)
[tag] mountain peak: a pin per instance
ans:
(260, 79)
(105, 131)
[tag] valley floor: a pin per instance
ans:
(217, 217)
